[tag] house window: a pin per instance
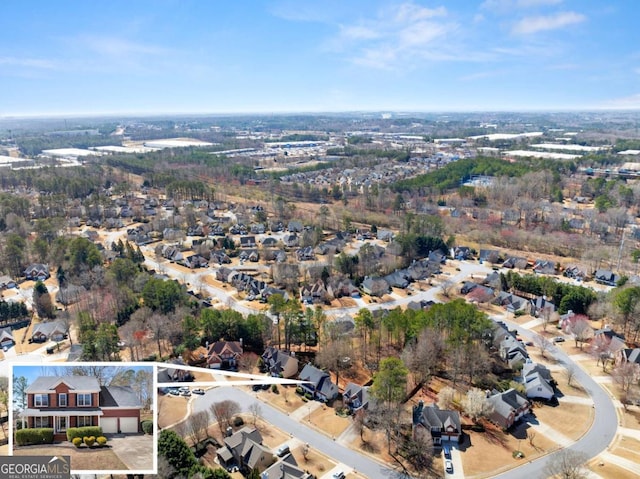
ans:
(84, 421)
(62, 400)
(41, 400)
(84, 400)
(40, 422)
(61, 423)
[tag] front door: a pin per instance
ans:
(61, 424)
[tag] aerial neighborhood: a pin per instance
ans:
(390, 295)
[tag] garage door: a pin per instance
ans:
(128, 424)
(109, 425)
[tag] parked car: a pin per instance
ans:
(186, 393)
(448, 466)
(198, 391)
(558, 339)
(174, 392)
(283, 450)
(447, 451)
(338, 475)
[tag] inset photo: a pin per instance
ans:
(101, 415)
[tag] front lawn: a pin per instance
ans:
(102, 459)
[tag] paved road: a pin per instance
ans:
(353, 459)
(599, 436)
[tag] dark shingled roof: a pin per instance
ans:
(118, 396)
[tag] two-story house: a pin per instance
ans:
(77, 401)
(279, 363)
(441, 424)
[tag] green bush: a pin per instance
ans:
(89, 440)
(77, 441)
(26, 437)
(238, 421)
(83, 432)
(101, 440)
(308, 395)
(274, 388)
(147, 426)
(299, 390)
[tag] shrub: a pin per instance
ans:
(274, 388)
(147, 426)
(89, 440)
(26, 437)
(299, 390)
(83, 432)
(101, 440)
(77, 441)
(308, 395)
(238, 421)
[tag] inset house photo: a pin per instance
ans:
(100, 415)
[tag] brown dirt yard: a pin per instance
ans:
(102, 459)
(610, 471)
(171, 409)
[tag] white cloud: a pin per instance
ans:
(397, 37)
(529, 25)
(35, 63)
(509, 5)
(631, 102)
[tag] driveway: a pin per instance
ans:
(456, 460)
(135, 450)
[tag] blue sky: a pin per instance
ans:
(66, 57)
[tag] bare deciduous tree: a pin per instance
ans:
(543, 345)
(567, 464)
(196, 426)
(223, 412)
(446, 397)
(570, 373)
(256, 410)
(475, 404)
(424, 355)
(625, 375)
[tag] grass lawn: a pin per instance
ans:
(571, 420)
(631, 417)
(492, 450)
(81, 459)
(315, 463)
(285, 400)
(171, 409)
(326, 419)
(628, 448)
(610, 471)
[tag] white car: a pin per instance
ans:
(448, 466)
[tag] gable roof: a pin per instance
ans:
(118, 396)
(49, 383)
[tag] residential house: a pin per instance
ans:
(442, 424)
(318, 383)
(285, 468)
(397, 279)
(195, 261)
(313, 293)
(437, 257)
(468, 286)
(51, 330)
(508, 407)
(6, 338)
(511, 302)
(607, 343)
(291, 240)
(6, 282)
(489, 256)
(384, 234)
(606, 276)
(515, 262)
(280, 364)
(37, 272)
(166, 373)
(375, 286)
(461, 253)
(269, 242)
(195, 230)
(76, 401)
(510, 349)
(355, 397)
(537, 381)
(540, 306)
(219, 257)
(295, 226)
(224, 355)
(248, 242)
(257, 228)
(244, 449)
(628, 355)
(575, 271)
(543, 266)
(305, 254)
